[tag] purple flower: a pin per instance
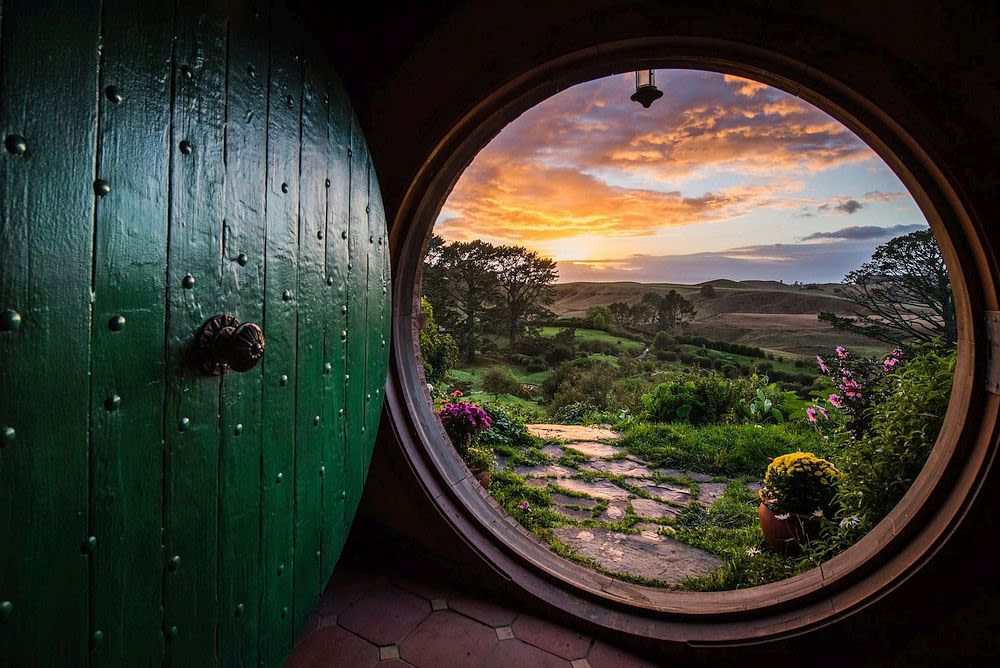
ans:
(841, 352)
(851, 388)
(811, 414)
(847, 373)
(822, 365)
(835, 401)
(525, 506)
(823, 412)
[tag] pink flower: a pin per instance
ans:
(835, 401)
(822, 365)
(525, 506)
(823, 412)
(851, 388)
(841, 352)
(457, 393)
(896, 352)
(889, 363)
(847, 373)
(811, 414)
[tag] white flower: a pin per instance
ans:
(817, 513)
(783, 516)
(850, 522)
(753, 552)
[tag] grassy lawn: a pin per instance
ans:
(728, 450)
(597, 335)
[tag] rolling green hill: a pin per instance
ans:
(767, 314)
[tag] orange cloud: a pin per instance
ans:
(587, 161)
(535, 202)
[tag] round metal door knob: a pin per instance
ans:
(225, 344)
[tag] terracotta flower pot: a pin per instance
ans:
(482, 475)
(786, 531)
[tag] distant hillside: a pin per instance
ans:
(761, 313)
(730, 296)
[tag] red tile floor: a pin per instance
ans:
(370, 615)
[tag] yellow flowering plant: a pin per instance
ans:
(800, 482)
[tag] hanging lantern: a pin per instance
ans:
(646, 92)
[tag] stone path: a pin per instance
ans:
(605, 489)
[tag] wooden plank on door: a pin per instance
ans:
(338, 166)
(314, 426)
(191, 420)
(280, 329)
(48, 113)
(377, 296)
(240, 570)
(126, 453)
(357, 286)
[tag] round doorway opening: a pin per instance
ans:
(722, 354)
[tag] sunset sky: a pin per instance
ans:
(721, 178)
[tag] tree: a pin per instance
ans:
(669, 312)
(461, 283)
(599, 317)
(438, 351)
(622, 313)
(524, 281)
(708, 291)
(498, 380)
(903, 294)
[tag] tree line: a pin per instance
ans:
(477, 288)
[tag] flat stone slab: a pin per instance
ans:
(594, 449)
(553, 451)
(571, 432)
(598, 489)
(613, 513)
(663, 492)
(645, 554)
(572, 513)
(567, 500)
(650, 509)
(546, 471)
(618, 467)
(708, 492)
(678, 473)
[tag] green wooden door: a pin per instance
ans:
(164, 163)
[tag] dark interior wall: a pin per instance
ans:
(413, 70)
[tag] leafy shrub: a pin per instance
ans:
(667, 355)
(800, 482)
(662, 341)
(536, 364)
(587, 379)
(599, 346)
(498, 380)
(626, 394)
(574, 413)
(507, 427)
(438, 351)
(559, 353)
(704, 399)
(728, 450)
(880, 467)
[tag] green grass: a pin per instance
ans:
(729, 529)
(597, 335)
(728, 450)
